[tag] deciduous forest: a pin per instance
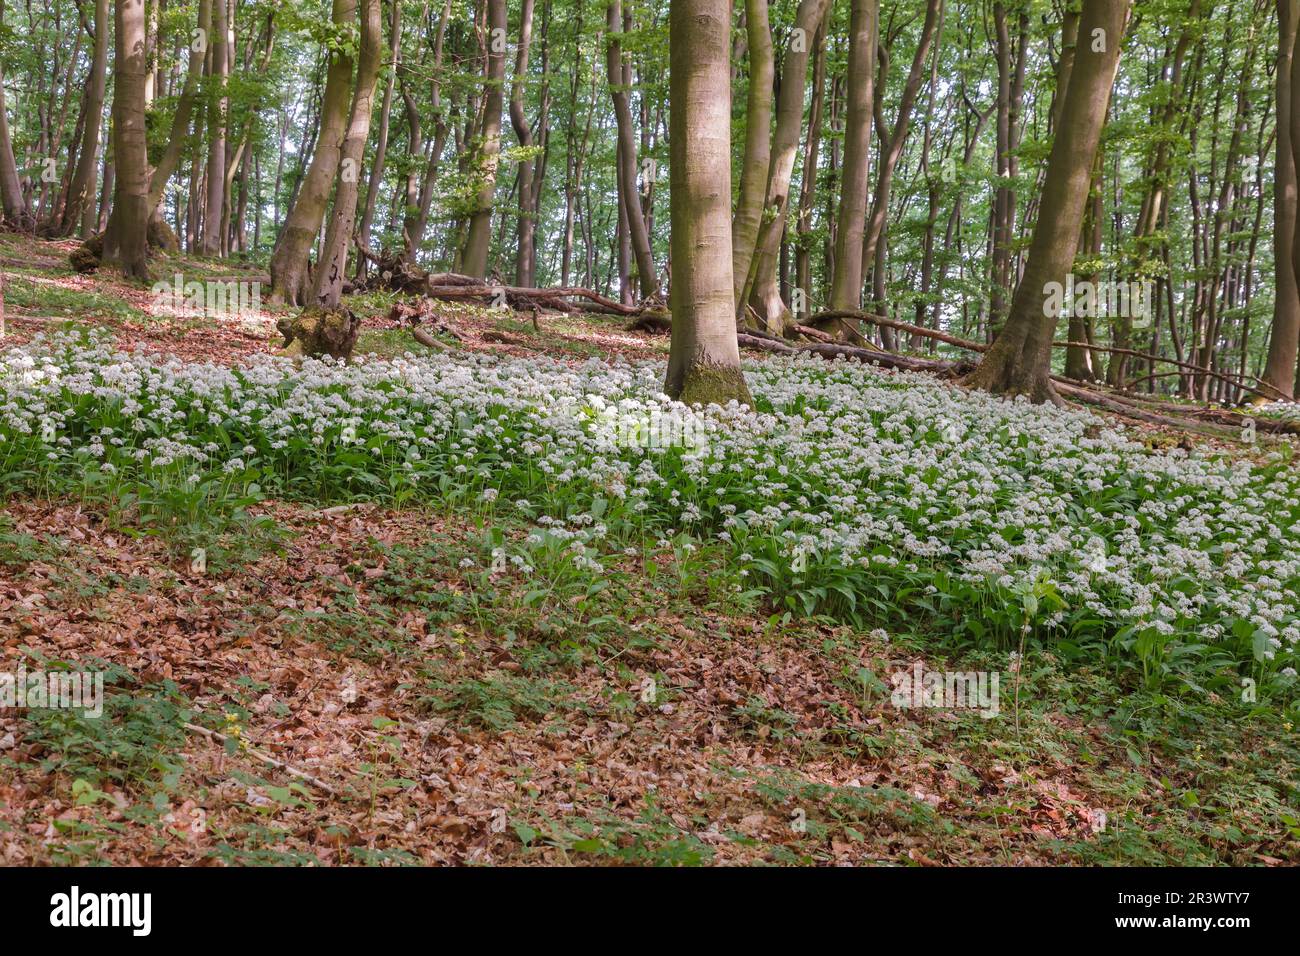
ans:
(649, 432)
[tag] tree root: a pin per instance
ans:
(315, 331)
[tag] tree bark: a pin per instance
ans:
(221, 40)
(327, 290)
(647, 279)
(81, 192)
(1019, 362)
(526, 227)
(892, 150)
(762, 291)
(184, 108)
(846, 282)
(289, 271)
(414, 231)
(381, 148)
(126, 240)
(758, 143)
(12, 202)
(1284, 340)
(478, 241)
(704, 358)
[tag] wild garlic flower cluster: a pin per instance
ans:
(857, 491)
(1287, 411)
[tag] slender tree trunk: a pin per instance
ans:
(221, 41)
(1284, 340)
(184, 108)
(289, 272)
(381, 148)
(12, 202)
(763, 282)
(414, 233)
(478, 242)
(758, 144)
(892, 150)
(1011, 79)
(327, 291)
(1019, 362)
(647, 279)
(704, 360)
(808, 179)
(846, 282)
(81, 192)
(526, 227)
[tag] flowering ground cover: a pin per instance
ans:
(877, 499)
(513, 606)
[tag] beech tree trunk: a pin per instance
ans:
(846, 283)
(12, 202)
(327, 289)
(1019, 361)
(221, 40)
(81, 192)
(126, 240)
(526, 228)
(381, 148)
(704, 358)
(892, 149)
(289, 271)
(647, 280)
(414, 230)
(758, 144)
(184, 108)
(478, 241)
(1284, 341)
(808, 182)
(764, 294)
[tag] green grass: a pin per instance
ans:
(49, 298)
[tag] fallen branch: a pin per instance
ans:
(830, 350)
(1091, 397)
(842, 314)
(265, 758)
(980, 347)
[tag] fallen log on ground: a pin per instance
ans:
(395, 273)
(956, 369)
(980, 347)
(829, 350)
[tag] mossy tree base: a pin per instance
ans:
(999, 375)
(710, 384)
(163, 237)
(86, 258)
(317, 332)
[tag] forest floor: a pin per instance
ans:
(343, 686)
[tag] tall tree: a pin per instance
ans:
(327, 289)
(704, 359)
(81, 192)
(647, 277)
(381, 148)
(764, 295)
(846, 283)
(757, 155)
(289, 270)
(197, 45)
(1019, 361)
(526, 229)
(1284, 341)
(13, 204)
(126, 240)
(478, 241)
(221, 42)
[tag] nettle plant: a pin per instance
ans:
(878, 498)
